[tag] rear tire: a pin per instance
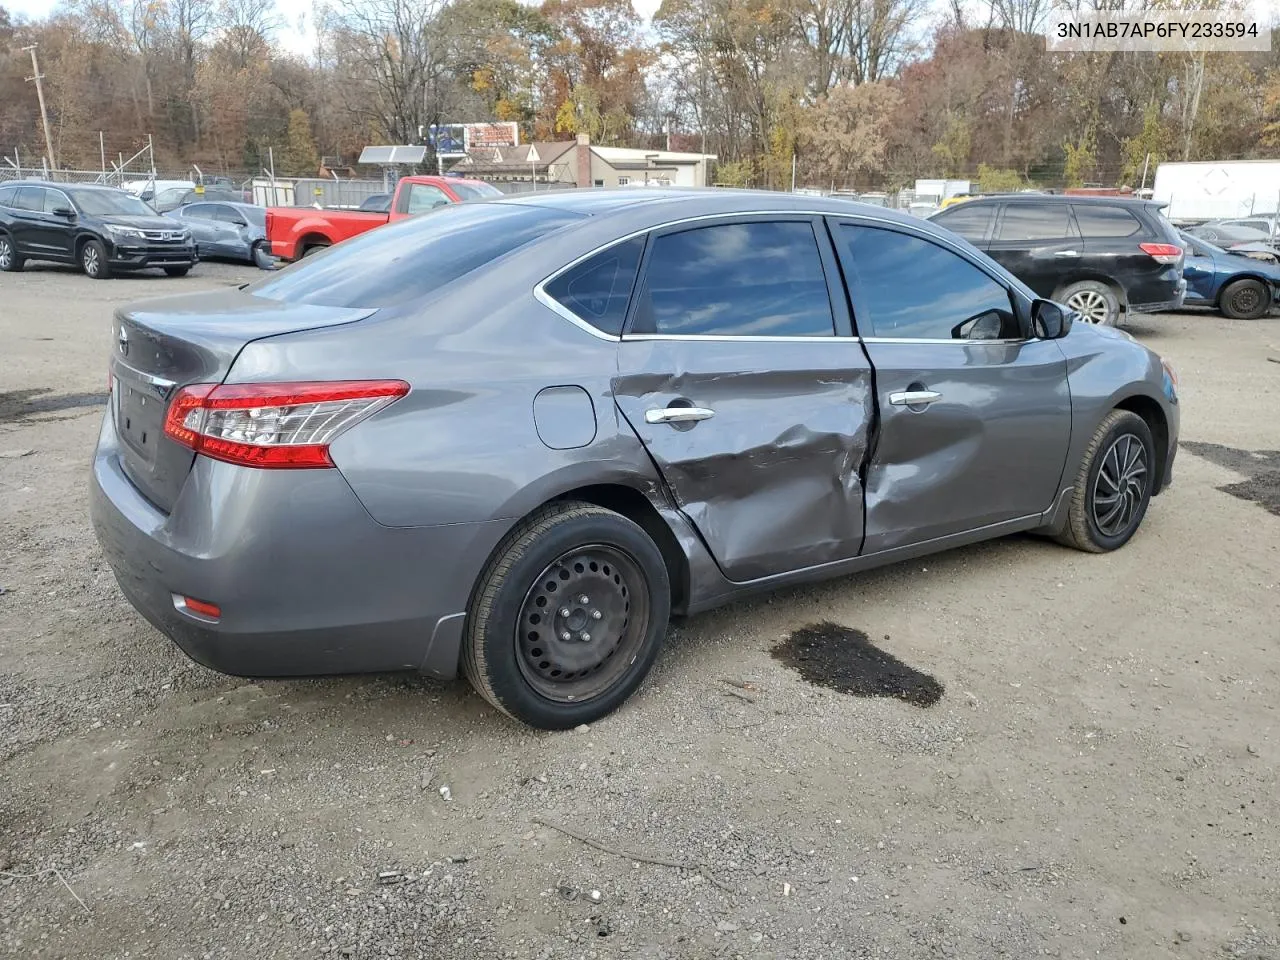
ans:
(314, 248)
(554, 669)
(1114, 484)
(1245, 300)
(93, 260)
(177, 271)
(1096, 302)
(10, 262)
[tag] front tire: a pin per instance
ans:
(568, 617)
(10, 262)
(1113, 486)
(177, 271)
(93, 260)
(1096, 302)
(1245, 300)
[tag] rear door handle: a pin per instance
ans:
(678, 414)
(914, 398)
(1066, 253)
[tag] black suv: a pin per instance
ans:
(1095, 254)
(100, 228)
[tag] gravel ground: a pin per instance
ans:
(1090, 770)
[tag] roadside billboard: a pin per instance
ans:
(447, 139)
(488, 136)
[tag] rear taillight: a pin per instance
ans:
(274, 424)
(1162, 252)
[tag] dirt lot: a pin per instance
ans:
(1084, 764)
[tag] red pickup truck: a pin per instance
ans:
(293, 232)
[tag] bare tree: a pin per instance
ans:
(389, 58)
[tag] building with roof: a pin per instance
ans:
(568, 163)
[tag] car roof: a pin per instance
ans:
(1058, 198)
(102, 188)
(701, 201)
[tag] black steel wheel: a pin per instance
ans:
(579, 630)
(568, 617)
(1245, 300)
(1114, 485)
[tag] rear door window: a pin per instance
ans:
(970, 220)
(598, 290)
(30, 198)
(1098, 221)
(1036, 221)
(762, 278)
(409, 259)
(198, 211)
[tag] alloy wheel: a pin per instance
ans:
(582, 623)
(1120, 485)
(1090, 304)
(6, 254)
(90, 260)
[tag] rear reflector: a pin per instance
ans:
(210, 610)
(274, 424)
(1162, 252)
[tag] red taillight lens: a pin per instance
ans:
(1162, 252)
(274, 424)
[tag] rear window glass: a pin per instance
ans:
(599, 289)
(475, 191)
(409, 259)
(1101, 221)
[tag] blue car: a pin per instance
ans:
(1239, 286)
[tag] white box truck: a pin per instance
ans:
(1218, 190)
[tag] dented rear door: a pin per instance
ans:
(738, 374)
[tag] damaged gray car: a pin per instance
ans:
(512, 439)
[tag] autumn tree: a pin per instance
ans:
(845, 134)
(300, 158)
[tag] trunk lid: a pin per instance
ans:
(160, 346)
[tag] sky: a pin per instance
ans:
(298, 35)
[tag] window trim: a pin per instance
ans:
(1017, 300)
(1021, 298)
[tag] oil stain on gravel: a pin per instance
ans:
(1261, 469)
(845, 660)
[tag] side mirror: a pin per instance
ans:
(65, 212)
(1052, 320)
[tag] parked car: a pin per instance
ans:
(1226, 234)
(1236, 284)
(102, 229)
(295, 232)
(147, 190)
(378, 203)
(314, 474)
(234, 231)
(1097, 255)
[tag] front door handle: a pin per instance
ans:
(914, 398)
(1067, 253)
(678, 414)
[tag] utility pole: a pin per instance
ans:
(44, 113)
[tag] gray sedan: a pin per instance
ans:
(512, 439)
(232, 231)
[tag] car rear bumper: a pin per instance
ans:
(1159, 306)
(307, 582)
